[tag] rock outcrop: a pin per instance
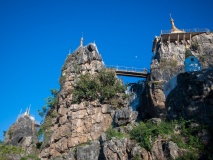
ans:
(165, 149)
(77, 124)
(89, 151)
(115, 149)
(23, 133)
(124, 116)
(123, 149)
(168, 62)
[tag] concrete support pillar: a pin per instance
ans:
(169, 38)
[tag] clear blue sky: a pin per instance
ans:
(36, 35)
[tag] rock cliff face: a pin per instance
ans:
(90, 129)
(78, 130)
(126, 149)
(82, 123)
(168, 62)
(192, 97)
(23, 133)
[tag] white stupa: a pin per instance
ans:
(26, 113)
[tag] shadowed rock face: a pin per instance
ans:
(192, 97)
(169, 62)
(23, 133)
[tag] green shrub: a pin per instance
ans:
(9, 150)
(188, 137)
(6, 150)
(30, 157)
(10, 133)
(145, 131)
(102, 86)
(111, 132)
(44, 127)
(86, 88)
(51, 101)
(48, 111)
(136, 157)
(4, 133)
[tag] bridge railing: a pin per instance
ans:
(187, 30)
(128, 69)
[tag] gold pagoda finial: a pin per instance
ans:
(174, 29)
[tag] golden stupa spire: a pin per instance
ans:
(174, 29)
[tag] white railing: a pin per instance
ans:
(187, 30)
(128, 69)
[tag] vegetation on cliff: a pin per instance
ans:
(112, 132)
(6, 150)
(102, 86)
(48, 112)
(10, 152)
(186, 134)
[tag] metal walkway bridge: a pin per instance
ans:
(129, 71)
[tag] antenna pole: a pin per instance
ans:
(29, 110)
(82, 39)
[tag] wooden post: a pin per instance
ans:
(178, 38)
(184, 37)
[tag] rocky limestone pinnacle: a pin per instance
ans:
(78, 124)
(168, 62)
(23, 133)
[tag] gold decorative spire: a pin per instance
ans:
(174, 29)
